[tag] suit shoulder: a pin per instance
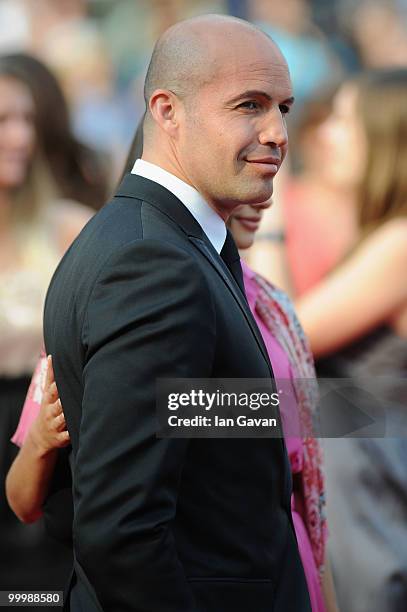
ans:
(119, 218)
(144, 255)
(125, 219)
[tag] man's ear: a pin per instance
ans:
(164, 108)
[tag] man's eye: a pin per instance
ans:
(285, 109)
(250, 105)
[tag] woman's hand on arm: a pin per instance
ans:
(28, 480)
(48, 432)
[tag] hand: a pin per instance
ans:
(48, 431)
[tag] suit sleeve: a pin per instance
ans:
(150, 316)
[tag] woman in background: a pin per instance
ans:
(37, 224)
(356, 322)
(79, 171)
(367, 134)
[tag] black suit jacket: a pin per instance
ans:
(163, 525)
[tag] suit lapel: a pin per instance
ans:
(230, 282)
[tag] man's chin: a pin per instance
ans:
(261, 194)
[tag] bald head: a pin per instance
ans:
(189, 54)
(217, 92)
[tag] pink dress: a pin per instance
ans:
(283, 371)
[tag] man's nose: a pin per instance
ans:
(274, 130)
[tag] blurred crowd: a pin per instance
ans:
(99, 49)
(71, 79)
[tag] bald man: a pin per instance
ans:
(151, 289)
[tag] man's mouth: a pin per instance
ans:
(251, 224)
(269, 164)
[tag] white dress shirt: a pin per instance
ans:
(211, 223)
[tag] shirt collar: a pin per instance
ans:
(211, 223)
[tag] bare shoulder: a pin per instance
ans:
(70, 218)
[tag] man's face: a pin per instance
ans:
(233, 134)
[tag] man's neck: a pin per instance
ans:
(166, 165)
(177, 171)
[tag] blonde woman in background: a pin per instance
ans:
(356, 322)
(367, 134)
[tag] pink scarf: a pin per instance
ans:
(277, 313)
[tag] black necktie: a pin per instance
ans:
(230, 256)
